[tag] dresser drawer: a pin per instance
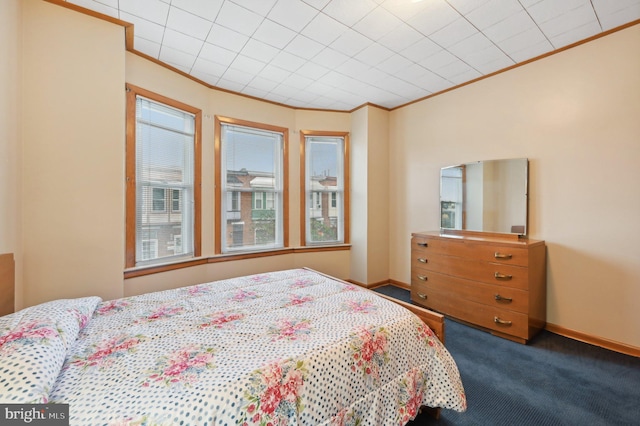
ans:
(501, 253)
(472, 269)
(488, 294)
(490, 317)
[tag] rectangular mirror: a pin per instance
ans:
(485, 196)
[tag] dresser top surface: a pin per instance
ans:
(479, 238)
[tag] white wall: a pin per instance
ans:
(575, 115)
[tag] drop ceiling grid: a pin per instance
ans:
(340, 54)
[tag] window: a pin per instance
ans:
(158, 199)
(251, 171)
(325, 191)
(175, 200)
(163, 179)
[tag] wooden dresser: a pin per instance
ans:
(495, 282)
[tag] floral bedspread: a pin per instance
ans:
(285, 348)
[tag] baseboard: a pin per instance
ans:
(594, 340)
(371, 285)
(400, 284)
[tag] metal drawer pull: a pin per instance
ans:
(499, 255)
(500, 276)
(502, 298)
(422, 260)
(422, 277)
(501, 322)
(422, 296)
(423, 244)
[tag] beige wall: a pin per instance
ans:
(10, 31)
(575, 115)
(72, 154)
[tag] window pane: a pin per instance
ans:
(324, 184)
(165, 181)
(251, 162)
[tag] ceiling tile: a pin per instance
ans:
(147, 47)
(431, 82)
(404, 9)
(401, 87)
(206, 9)
(394, 64)
(439, 60)
(324, 29)
(261, 7)
(208, 69)
(352, 68)
(575, 34)
(349, 11)
(531, 51)
(436, 16)
(565, 22)
(330, 58)
(453, 33)
(227, 38)
(607, 8)
(313, 71)
(531, 37)
(454, 69)
(238, 18)
(145, 29)
(377, 24)
(351, 43)
(262, 83)
(287, 61)
(299, 82)
(611, 17)
(421, 50)
(400, 38)
(260, 51)
(374, 54)
(275, 73)
(466, 6)
(465, 77)
(292, 14)
(546, 10)
(217, 54)
(274, 34)
(247, 64)
(515, 24)
(237, 76)
(188, 23)
(182, 42)
(151, 10)
(177, 58)
(492, 12)
(318, 4)
(304, 47)
(109, 8)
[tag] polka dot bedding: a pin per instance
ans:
(284, 348)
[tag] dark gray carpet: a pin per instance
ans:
(552, 380)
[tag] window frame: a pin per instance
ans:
(219, 214)
(303, 193)
(130, 174)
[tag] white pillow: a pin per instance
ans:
(34, 344)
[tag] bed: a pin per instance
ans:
(289, 347)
